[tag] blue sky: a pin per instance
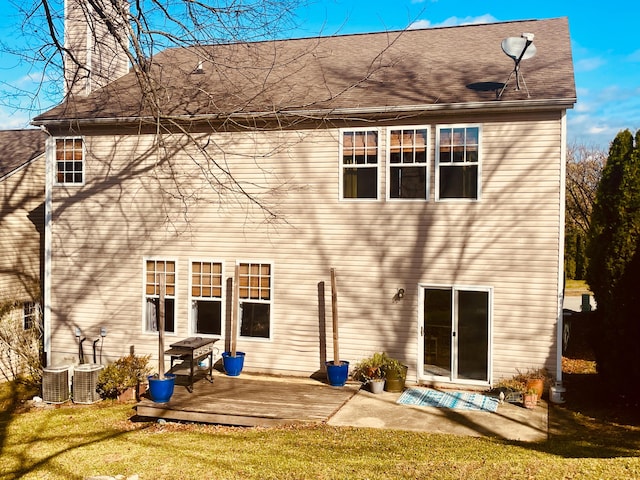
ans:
(605, 49)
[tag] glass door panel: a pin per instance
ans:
(437, 331)
(472, 335)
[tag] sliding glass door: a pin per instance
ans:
(455, 333)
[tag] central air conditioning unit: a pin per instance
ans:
(55, 384)
(85, 382)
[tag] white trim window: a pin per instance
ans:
(407, 162)
(153, 269)
(206, 297)
(31, 316)
(458, 162)
(70, 156)
(255, 296)
(359, 157)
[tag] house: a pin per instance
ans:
(22, 172)
(399, 159)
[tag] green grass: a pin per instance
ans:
(576, 287)
(74, 442)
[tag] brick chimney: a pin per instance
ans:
(96, 39)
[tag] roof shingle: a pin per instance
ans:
(407, 69)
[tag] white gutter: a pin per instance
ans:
(50, 147)
(561, 274)
(329, 113)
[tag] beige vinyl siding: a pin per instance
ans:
(21, 224)
(508, 240)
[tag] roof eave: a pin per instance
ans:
(326, 113)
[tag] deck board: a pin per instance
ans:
(251, 400)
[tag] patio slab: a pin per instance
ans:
(510, 422)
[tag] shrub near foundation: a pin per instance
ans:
(126, 372)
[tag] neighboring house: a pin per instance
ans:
(22, 190)
(387, 156)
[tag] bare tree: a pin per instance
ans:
(159, 42)
(584, 170)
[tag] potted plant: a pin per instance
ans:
(530, 398)
(534, 379)
(122, 379)
(370, 371)
(395, 374)
(161, 385)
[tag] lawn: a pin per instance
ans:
(590, 439)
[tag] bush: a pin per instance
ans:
(124, 373)
(613, 271)
(20, 349)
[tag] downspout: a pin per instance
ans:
(50, 147)
(562, 214)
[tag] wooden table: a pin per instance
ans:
(191, 350)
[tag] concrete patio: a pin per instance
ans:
(253, 399)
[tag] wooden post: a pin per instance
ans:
(161, 281)
(334, 314)
(234, 311)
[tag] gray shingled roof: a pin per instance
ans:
(449, 67)
(18, 147)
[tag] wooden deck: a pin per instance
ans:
(250, 400)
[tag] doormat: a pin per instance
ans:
(427, 397)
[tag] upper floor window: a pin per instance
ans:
(254, 292)
(69, 161)
(154, 270)
(408, 163)
(359, 164)
(206, 297)
(458, 162)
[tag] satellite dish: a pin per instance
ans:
(518, 48)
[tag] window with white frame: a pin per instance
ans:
(206, 297)
(408, 163)
(458, 162)
(255, 295)
(31, 317)
(359, 164)
(69, 161)
(155, 271)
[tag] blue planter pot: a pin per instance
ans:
(160, 390)
(337, 374)
(233, 365)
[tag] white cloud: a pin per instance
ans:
(12, 121)
(454, 21)
(634, 57)
(589, 64)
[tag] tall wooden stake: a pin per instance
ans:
(234, 311)
(161, 281)
(334, 314)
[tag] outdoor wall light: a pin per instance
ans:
(400, 293)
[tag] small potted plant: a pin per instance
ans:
(395, 373)
(370, 371)
(530, 398)
(534, 379)
(123, 378)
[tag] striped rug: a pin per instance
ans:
(427, 397)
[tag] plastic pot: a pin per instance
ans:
(337, 374)
(233, 365)
(161, 389)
